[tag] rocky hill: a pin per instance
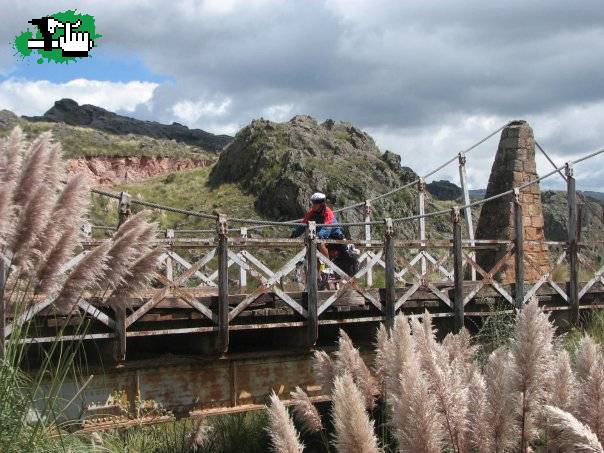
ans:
(112, 159)
(282, 164)
(69, 112)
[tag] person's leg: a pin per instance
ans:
(323, 248)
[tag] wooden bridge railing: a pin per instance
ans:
(229, 283)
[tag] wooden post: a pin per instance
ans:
(3, 273)
(519, 254)
(573, 284)
(390, 296)
(367, 210)
(169, 262)
(463, 180)
(242, 271)
(123, 208)
(312, 288)
(223, 285)
(458, 307)
(87, 230)
(119, 352)
(421, 197)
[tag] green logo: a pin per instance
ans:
(59, 37)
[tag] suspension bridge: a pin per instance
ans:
(228, 316)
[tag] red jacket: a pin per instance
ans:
(325, 216)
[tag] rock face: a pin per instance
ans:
(514, 165)
(68, 111)
(284, 163)
(114, 170)
(444, 190)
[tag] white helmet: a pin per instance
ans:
(318, 197)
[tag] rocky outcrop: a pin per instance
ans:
(114, 170)
(444, 190)
(68, 111)
(284, 163)
(514, 165)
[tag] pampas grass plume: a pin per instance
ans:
(353, 429)
(199, 435)
(416, 421)
(348, 360)
(305, 411)
(281, 430)
(588, 354)
(571, 435)
(531, 349)
(324, 370)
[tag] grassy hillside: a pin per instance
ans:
(186, 190)
(81, 142)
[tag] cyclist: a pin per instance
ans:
(321, 214)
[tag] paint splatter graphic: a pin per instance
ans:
(54, 40)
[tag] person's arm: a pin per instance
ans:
(299, 230)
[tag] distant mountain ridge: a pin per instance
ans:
(69, 112)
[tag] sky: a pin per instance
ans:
(425, 79)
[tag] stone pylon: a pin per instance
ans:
(514, 165)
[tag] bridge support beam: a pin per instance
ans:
(458, 307)
(222, 344)
(119, 348)
(573, 284)
(390, 295)
(312, 289)
(519, 254)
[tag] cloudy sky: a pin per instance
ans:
(424, 78)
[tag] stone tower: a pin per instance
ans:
(514, 165)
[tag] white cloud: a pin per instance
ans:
(565, 135)
(26, 97)
(190, 112)
(278, 112)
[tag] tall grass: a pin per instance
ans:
(40, 219)
(526, 395)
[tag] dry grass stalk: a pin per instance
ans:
(590, 407)
(479, 425)
(305, 411)
(348, 360)
(571, 435)
(71, 203)
(199, 435)
(12, 157)
(393, 353)
(461, 351)
(446, 381)
(55, 168)
(563, 391)
(30, 225)
(121, 256)
(588, 353)
(354, 432)
(85, 276)
(132, 222)
(531, 350)
(323, 370)
(33, 171)
(56, 258)
(501, 402)
(281, 430)
(416, 421)
(11, 151)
